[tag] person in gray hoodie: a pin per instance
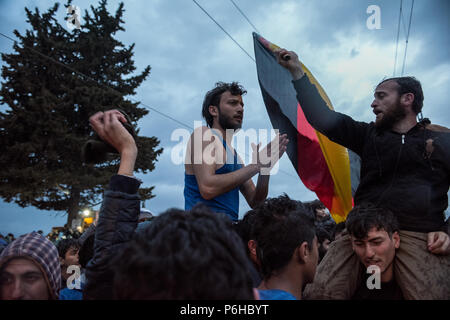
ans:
(30, 269)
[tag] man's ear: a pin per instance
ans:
(352, 242)
(303, 252)
(61, 261)
(251, 244)
(396, 239)
(256, 294)
(407, 98)
(213, 110)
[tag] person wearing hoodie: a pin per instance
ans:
(30, 269)
(405, 168)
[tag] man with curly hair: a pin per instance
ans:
(214, 173)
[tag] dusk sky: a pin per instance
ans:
(188, 53)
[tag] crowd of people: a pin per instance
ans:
(74, 250)
(394, 244)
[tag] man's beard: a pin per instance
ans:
(392, 116)
(227, 122)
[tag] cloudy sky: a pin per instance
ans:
(188, 53)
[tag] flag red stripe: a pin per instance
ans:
(311, 165)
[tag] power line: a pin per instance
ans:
(403, 23)
(206, 12)
(53, 60)
(398, 34)
(93, 80)
(248, 20)
(407, 37)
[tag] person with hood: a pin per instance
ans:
(30, 269)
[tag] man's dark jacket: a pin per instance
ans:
(407, 173)
(116, 225)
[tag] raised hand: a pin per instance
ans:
(108, 126)
(439, 243)
(269, 156)
(292, 64)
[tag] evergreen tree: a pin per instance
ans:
(47, 104)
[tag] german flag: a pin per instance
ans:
(322, 165)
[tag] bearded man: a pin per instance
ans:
(405, 168)
(214, 173)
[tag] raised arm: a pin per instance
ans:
(256, 195)
(338, 127)
(120, 208)
(316, 111)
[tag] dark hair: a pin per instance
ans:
(280, 226)
(244, 227)
(328, 225)
(409, 85)
(315, 204)
(65, 244)
(364, 217)
(184, 255)
(212, 97)
(322, 233)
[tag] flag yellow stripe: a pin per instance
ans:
(338, 163)
(336, 157)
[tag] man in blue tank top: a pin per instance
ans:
(214, 173)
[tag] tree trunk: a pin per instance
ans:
(74, 208)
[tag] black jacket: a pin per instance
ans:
(408, 174)
(117, 222)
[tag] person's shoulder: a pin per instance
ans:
(198, 132)
(70, 294)
(428, 125)
(201, 129)
(365, 129)
(359, 124)
(440, 135)
(275, 294)
(204, 132)
(437, 128)
(206, 135)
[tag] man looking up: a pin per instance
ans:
(214, 174)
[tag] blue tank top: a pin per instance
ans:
(227, 202)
